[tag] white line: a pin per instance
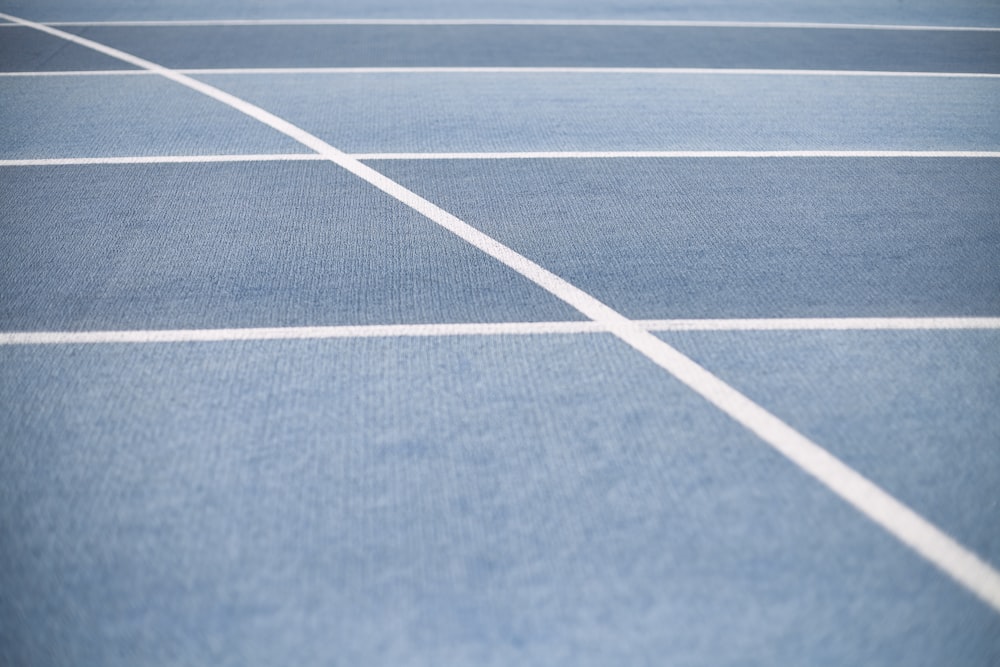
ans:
(160, 159)
(922, 536)
(733, 71)
(825, 324)
(539, 155)
(738, 71)
(487, 329)
(78, 72)
(588, 155)
(638, 23)
(294, 333)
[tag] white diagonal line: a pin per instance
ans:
(910, 528)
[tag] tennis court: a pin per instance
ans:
(588, 333)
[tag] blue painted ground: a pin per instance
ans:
(554, 46)
(682, 238)
(69, 117)
(63, 116)
(543, 499)
(27, 50)
(237, 245)
(915, 411)
(533, 112)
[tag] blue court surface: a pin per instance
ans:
(481, 333)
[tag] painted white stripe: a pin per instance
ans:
(160, 159)
(899, 520)
(79, 72)
(534, 155)
(542, 155)
(825, 324)
(294, 333)
(639, 23)
(733, 71)
(486, 329)
(589, 70)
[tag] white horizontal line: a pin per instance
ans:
(647, 23)
(372, 331)
(274, 71)
(521, 155)
(824, 324)
(158, 159)
(78, 72)
(670, 154)
(488, 329)
(580, 70)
